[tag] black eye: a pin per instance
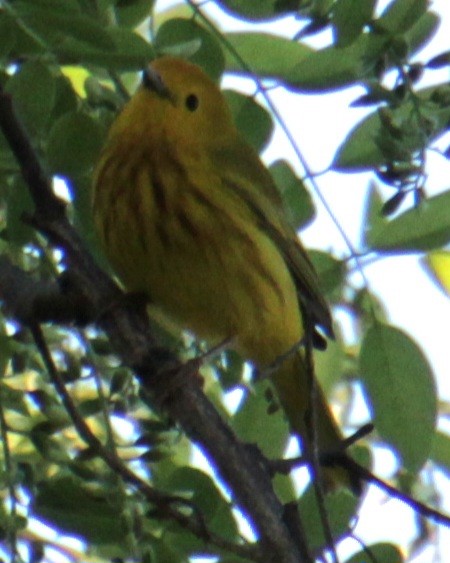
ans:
(191, 102)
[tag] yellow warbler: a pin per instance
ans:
(189, 215)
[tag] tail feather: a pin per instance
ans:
(293, 384)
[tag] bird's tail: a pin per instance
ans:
(313, 422)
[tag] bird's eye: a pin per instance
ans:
(192, 102)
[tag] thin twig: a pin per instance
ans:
(417, 506)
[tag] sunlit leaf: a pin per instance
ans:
(438, 265)
(77, 76)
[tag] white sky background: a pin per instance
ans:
(319, 124)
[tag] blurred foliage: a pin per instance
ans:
(69, 66)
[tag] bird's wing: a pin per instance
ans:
(243, 172)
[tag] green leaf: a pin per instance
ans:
(367, 145)
(65, 502)
(440, 451)
(7, 36)
(253, 121)
(332, 68)
(340, 508)
(49, 448)
(373, 216)
(179, 31)
(165, 550)
(331, 273)
(401, 15)
(8, 161)
(252, 48)
(56, 25)
(382, 552)
(330, 364)
(70, 7)
(6, 351)
(130, 13)
(73, 145)
(229, 367)
(12, 399)
(90, 407)
(260, 10)
(129, 52)
(349, 18)
(34, 109)
(18, 202)
(421, 32)
(401, 392)
(425, 227)
(297, 200)
(359, 150)
(82, 204)
(201, 490)
(271, 431)
(65, 98)
(101, 96)
(121, 379)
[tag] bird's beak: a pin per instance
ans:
(152, 81)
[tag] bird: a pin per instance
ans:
(188, 215)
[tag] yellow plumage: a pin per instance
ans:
(188, 214)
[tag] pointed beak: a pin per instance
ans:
(152, 81)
